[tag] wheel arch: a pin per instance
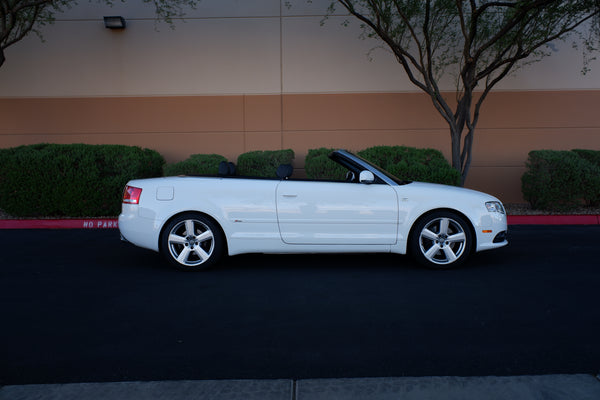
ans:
(452, 210)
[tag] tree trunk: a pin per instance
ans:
(462, 126)
(466, 155)
(461, 143)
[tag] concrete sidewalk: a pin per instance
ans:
(546, 387)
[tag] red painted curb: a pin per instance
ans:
(90, 223)
(553, 219)
(112, 223)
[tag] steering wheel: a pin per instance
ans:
(350, 177)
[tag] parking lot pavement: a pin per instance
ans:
(547, 387)
(542, 257)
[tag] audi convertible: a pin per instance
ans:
(195, 220)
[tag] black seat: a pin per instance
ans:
(231, 170)
(284, 171)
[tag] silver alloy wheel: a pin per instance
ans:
(191, 242)
(442, 240)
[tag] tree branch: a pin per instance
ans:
(404, 57)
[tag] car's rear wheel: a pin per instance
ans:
(442, 239)
(191, 242)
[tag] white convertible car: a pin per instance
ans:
(193, 221)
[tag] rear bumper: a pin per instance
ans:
(139, 231)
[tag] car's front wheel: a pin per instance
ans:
(441, 239)
(191, 242)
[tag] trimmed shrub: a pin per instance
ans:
(591, 182)
(559, 180)
(263, 163)
(592, 156)
(411, 164)
(319, 166)
(196, 164)
(75, 180)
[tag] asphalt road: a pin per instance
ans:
(80, 306)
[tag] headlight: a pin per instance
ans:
(494, 206)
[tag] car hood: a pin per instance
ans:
(449, 191)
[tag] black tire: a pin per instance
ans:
(441, 240)
(200, 249)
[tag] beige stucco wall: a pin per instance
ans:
(229, 47)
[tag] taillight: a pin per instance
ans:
(131, 195)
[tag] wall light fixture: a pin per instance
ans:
(114, 22)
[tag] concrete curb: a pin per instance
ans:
(531, 387)
(112, 223)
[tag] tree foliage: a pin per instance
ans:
(476, 42)
(18, 18)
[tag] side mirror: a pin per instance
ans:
(366, 177)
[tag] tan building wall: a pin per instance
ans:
(512, 124)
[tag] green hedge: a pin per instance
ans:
(412, 164)
(561, 180)
(196, 164)
(87, 180)
(592, 156)
(425, 165)
(319, 166)
(263, 163)
(75, 180)
(591, 195)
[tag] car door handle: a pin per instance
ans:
(289, 196)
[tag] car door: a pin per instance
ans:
(337, 213)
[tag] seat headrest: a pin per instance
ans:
(223, 168)
(226, 168)
(231, 168)
(284, 171)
